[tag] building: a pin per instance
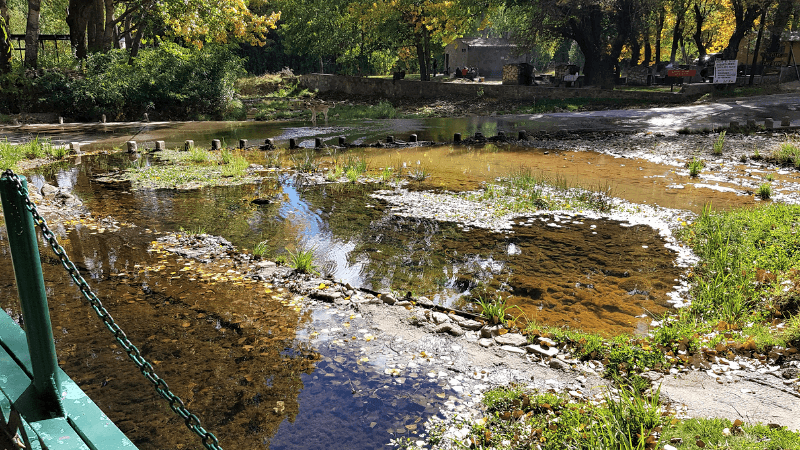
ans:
(487, 54)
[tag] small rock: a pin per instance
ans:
(49, 191)
(437, 317)
(511, 339)
(486, 342)
(669, 447)
(470, 324)
(512, 349)
(652, 375)
(491, 331)
(403, 303)
(545, 341)
(558, 364)
(451, 328)
(388, 299)
(535, 348)
(790, 372)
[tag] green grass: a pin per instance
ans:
(765, 191)
(383, 110)
(495, 311)
(302, 260)
(335, 173)
(196, 168)
(261, 249)
(788, 154)
(719, 143)
(696, 166)
(36, 148)
(306, 162)
(199, 155)
(524, 191)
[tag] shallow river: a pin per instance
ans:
(265, 370)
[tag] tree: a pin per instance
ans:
(600, 28)
(5, 40)
(32, 35)
(745, 13)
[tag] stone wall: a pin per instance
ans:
(433, 90)
(511, 74)
(637, 75)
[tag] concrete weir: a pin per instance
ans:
(434, 90)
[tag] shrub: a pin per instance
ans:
(695, 166)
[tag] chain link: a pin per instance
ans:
(175, 403)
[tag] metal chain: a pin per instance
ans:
(175, 403)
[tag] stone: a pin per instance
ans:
(403, 303)
(292, 143)
(75, 148)
(437, 318)
(523, 135)
(103, 118)
(318, 142)
(457, 137)
(734, 125)
(538, 349)
(558, 364)
(388, 299)
(48, 191)
(451, 328)
(785, 122)
(669, 447)
(751, 123)
(424, 301)
(769, 123)
(469, 324)
(342, 141)
(326, 296)
(161, 146)
(216, 144)
(790, 373)
(546, 341)
(652, 375)
(146, 117)
(242, 143)
(412, 138)
(268, 144)
(491, 331)
(486, 342)
(188, 145)
(512, 349)
(511, 339)
(60, 120)
(132, 147)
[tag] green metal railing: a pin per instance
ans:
(47, 384)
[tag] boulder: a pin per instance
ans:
(514, 339)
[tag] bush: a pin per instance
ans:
(169, 80)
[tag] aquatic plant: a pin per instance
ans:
(352, 174)
(719, 143)
(765, 191)
(496, 311)
(195, 230)
(334, 174)
(306, 162)
(302, 260)
(788, 153)
(261, 249)
(695, 166)
(385, 174)
(419, 174)
(273, 158)
(237, 167)
(770, 177)
(226, 156)
(199, 155)
(11, 154)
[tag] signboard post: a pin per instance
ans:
(725, 71)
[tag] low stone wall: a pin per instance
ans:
(432, 90)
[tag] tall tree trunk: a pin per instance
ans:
(32, 35)
(97, 26)
(745, 17)
(677, 34)
(758, 47)
(648, 51)
(783, 12)
(699, 18)
(108, 35)
(4, 12)
(5, 39)
(77, 21)
(137, 43)
(423, 55)
(636, 51)
(662, 16)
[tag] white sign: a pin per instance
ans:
(725, 71)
